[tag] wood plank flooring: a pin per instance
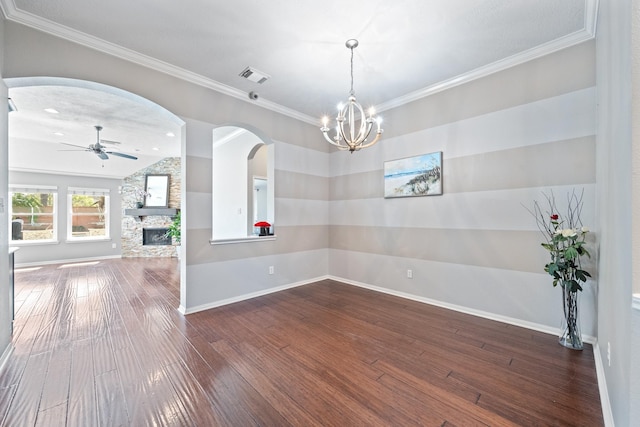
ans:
(103, 345)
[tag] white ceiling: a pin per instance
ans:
(408, 49)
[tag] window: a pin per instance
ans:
(88, 214)
(34, 217)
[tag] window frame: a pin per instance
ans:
(35, 189)
(75, 191)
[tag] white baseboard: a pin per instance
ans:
(65, 261)
(479, 313)
(5, 356)
(244, 297)
(607, 412)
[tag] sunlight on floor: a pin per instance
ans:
(79, 264)
(26, 269)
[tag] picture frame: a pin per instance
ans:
(413, 176)
(156, 188)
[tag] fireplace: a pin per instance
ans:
(155, 237)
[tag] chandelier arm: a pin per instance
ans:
(376, 139)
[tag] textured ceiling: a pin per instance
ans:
(407, 50)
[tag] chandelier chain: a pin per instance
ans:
(352, 92)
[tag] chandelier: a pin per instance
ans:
(350, 135)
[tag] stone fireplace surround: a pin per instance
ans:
(133, 225)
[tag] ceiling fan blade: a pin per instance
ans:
(126, 156)
(107, 142)
(77, 146)
(102, 155)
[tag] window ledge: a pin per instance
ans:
(33, 242)
(87, 240)
(248, 239)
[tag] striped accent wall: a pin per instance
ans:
(476, 247)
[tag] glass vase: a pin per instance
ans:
(570, 335)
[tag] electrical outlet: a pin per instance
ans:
(113, 246)
(609, 353)
(409, 274)
(271, 269)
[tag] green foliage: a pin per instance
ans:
(26, 200)
(83, 201)
(174, 228)
(565, 240)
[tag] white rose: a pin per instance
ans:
(584, 230)
(568, 232)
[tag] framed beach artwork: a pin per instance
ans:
(413, 176)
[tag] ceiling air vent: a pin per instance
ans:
(254, 75)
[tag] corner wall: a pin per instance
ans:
(505, 138)
(617, 201)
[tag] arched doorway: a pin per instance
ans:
(52, 139)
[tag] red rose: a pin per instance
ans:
(554, 217)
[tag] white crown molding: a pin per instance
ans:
(67, 173)
(12, 13)
(587, 33)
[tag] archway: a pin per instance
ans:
(243, 164)
(50, 135)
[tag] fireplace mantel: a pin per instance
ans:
(141, 212)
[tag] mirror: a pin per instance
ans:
(242, 184)
(156, 191)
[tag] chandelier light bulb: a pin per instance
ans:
(353, 127)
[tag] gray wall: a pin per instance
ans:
(63, 250)
(634, 351)
(5, 313)
(614, 176)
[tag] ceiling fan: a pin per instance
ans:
(100, 150)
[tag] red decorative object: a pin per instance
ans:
(264, 227)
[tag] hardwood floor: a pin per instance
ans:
(103, 345)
